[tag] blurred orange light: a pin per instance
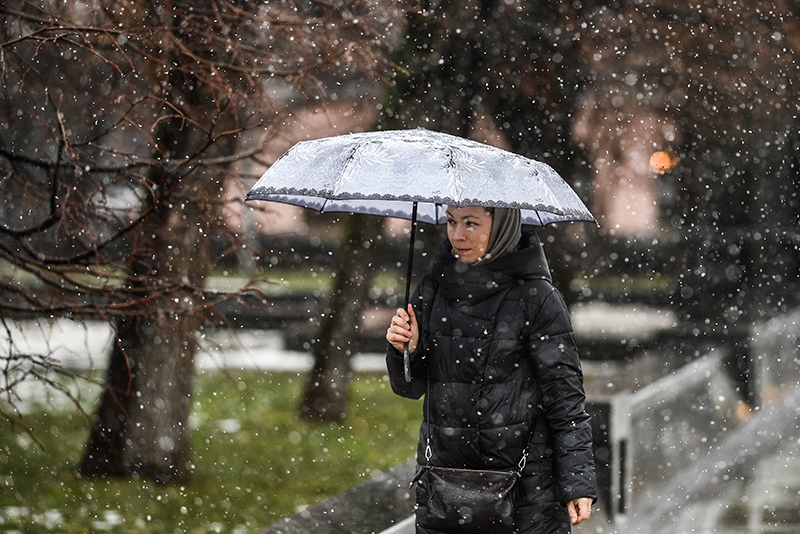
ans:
(662, 161)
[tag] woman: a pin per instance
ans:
(492, 349)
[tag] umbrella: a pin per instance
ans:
(416, 174)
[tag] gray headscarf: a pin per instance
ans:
(505, 235)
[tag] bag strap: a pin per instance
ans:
(429, 450)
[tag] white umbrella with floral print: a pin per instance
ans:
(386, 172)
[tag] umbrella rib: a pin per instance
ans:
(348, 163)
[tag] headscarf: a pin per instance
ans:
(505, 235)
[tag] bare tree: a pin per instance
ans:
(327, 388)
(120, 124)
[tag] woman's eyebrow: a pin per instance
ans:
(464, 217)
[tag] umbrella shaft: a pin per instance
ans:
(411, 253)
(406, 357)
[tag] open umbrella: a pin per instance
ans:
(416, 174)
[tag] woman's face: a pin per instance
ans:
(468, 230)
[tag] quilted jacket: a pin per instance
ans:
(499, 368)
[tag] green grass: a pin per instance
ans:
(254, 462)
(276, 281)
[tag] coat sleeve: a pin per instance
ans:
(421, 300)
(560, 378)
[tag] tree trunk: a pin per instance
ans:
(326, 392)
(141, 426)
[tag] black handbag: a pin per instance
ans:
(470, 501)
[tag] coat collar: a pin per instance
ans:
(470, 284)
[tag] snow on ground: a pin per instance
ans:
(598, 320)
(86, 346)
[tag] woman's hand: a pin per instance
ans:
(403, 329)
(579, 509)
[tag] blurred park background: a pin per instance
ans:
(174, 359)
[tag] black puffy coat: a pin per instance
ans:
(497, 345)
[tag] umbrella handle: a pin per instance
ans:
(406, 363)
(406, 356)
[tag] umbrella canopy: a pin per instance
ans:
(388, 172)
(416, 174)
